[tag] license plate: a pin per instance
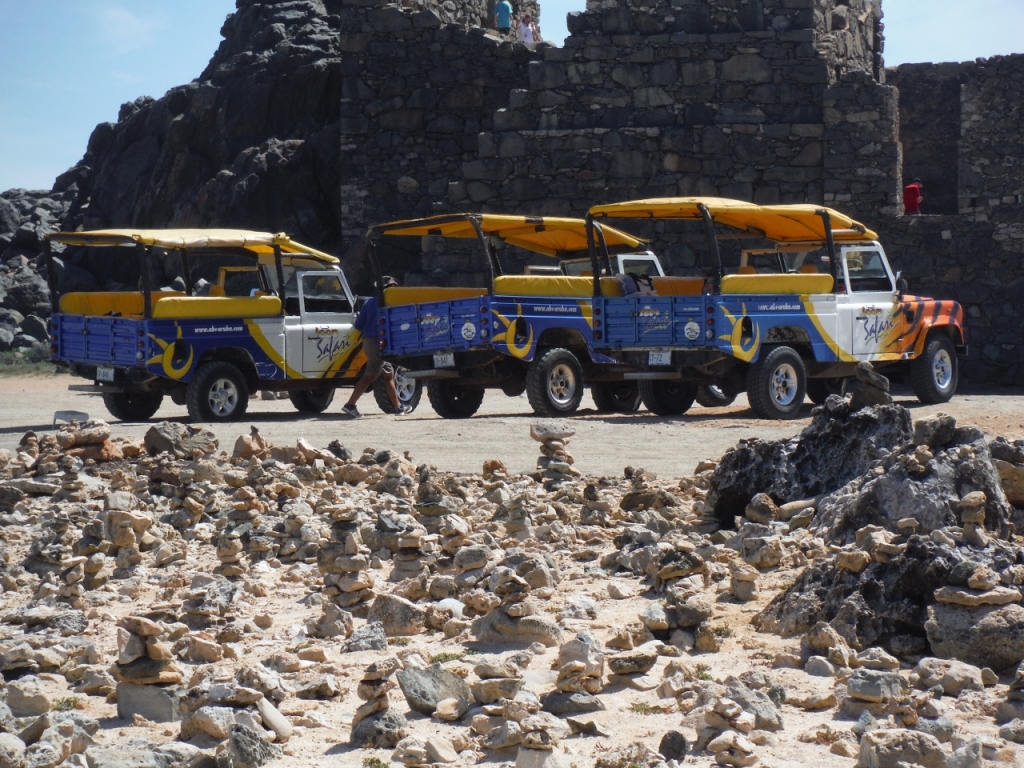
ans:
(659, 358)
(444, 360)
(104, 374)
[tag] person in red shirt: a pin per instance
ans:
(912, 197)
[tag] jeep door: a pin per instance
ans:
(327, 311)
(870, 321)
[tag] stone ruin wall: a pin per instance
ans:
(772, 101)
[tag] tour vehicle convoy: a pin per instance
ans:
(279, 321)
(531, 332)
(812, 296)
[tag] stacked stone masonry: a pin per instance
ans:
(763, 100)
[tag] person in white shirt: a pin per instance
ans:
(527, 32)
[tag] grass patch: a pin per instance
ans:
(640, 708)
(375, 762)
(446, 656)
(17, 362)
(825, 737)
(471, 651)
(400, 641)
(704, 672)
(67, 704)
(722, 631)
(299, 646)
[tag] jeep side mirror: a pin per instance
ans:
(901, 284)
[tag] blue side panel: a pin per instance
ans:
(112, 341)
(744, 323)
(176, 346)
(652, 322)
(434, 326)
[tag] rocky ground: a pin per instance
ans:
(848, 596)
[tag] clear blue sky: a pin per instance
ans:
(66, 65)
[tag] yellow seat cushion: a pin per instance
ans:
(554, 285)
(199, 307)
(100, 303)
(799, 284)
(400, 295)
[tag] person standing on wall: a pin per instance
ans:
(912, 197)
(366, 324)
(503, 16)
(527, 30)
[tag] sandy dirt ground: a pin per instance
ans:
(604, 443)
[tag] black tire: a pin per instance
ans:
(409, 392)
(713, 396)
(452, 401)
(819, 389)
(777, 384)
(935, 374)
(311, 401)
(219, 392)
(132, 406)
(667, 397)
(617, 397)
(554, 383)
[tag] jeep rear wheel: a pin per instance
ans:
(409, 392)
(934, 375)
(452, 401)
(218, 392)
(619, 397)
(668, 397)
(132, 406)
(554, 383)
(777, 384)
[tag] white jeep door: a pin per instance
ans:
(869, 316)
(327, 313)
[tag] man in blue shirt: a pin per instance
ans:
(366, 324)
(503, 16)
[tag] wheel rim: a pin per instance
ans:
(406, 388)
(716, 391)
(784, 385)
(942, 369)
(624, 395)
(562, 384)
(223, 397)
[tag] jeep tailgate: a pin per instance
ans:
(441, 325)
(643, 322)
(113, 341)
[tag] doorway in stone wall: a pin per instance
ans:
(930, 131)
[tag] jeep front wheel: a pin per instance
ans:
(218, 392)
(554, 383)
(934, 374)
(777, 384)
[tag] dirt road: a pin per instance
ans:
(603, 445)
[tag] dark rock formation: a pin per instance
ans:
(837, 447)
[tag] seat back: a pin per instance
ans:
(798, 284)
(201, 307)
(100, 303)
(400, 295)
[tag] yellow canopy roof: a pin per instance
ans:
(257, 242)
(779, 223)
(547, 235)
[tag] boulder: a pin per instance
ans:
(989, 636)
(397, 616)
(424, 688)
(889, 748)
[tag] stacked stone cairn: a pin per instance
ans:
(231, 553)
(580, 665)
(345, 564)
(555, 462)
(375, 724)
(499, 679)
(411, 560)
(514, 619)
(726, 724)
(145, 656)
